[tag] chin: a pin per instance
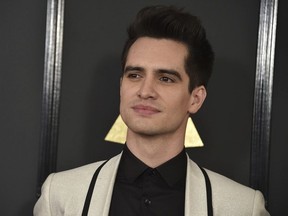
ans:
(146, 131)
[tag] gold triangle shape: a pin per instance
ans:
(118, 133)
(192, 138)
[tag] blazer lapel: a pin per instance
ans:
(195, 197)
(102, 194)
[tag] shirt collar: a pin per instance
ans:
(172, 171)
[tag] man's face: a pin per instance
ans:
(154, 94)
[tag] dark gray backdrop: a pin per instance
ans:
(94, 34)
(22, 43)
(279, 136)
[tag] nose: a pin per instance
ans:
(147, 89)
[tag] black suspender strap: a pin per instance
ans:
(90, 190)
(209, 192)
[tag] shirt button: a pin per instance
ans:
(153, 172)
(147, 201)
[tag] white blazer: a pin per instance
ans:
(64, 193)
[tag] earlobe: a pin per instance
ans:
(198, 96)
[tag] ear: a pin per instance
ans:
(197, 98)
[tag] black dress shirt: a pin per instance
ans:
(140, 190)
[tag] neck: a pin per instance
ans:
(153, 150)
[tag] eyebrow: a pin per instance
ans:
(159, 71)
(133, 68)
(170, 72)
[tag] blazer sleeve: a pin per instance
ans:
(43, 206)
(259, 205)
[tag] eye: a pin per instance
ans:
(133, 76)
(166, 79)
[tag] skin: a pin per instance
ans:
(155, 102)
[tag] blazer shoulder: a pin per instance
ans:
(66, 191)
(228, 194)
(78, 179)
(81, 174)
(77, 174)
(220, 182)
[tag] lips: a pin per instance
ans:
(145, 110)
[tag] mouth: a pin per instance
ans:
(145, 110)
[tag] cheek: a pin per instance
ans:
(179, 96)
(125, 95)
(122, 91)
(180, 101)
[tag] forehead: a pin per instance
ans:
(153, 52)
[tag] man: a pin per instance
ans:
(167, 62)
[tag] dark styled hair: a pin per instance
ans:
(169, 22)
